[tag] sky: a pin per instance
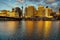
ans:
(9, 4)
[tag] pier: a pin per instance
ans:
(5, 18)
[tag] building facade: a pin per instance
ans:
(29, 11)
(41, 11)
(48, 11)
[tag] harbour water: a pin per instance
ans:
(29, 30)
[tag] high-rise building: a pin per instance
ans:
(48, 11)
(29, 11)
(41, 11)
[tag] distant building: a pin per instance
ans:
(29, 11)
(13, 13)
(48, 11)
(3, 12)
(41, 11)
(53, 14)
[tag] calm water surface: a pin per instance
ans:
(29, 30)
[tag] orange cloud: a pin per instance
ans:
(50, 1)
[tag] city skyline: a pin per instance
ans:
(9, 4)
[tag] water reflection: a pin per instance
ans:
(11, 27)
(58, 36)
(54, 30)
(7, 29)
(40, 29)
(29, 27)
(47, 29)
(30, 30)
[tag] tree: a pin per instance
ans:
(19, 11)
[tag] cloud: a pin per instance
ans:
(9, 0)
(54, 4)
(50, 1)
(21, 1)
(34, 0)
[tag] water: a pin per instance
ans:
(29, 30)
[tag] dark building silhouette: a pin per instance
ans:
(19, 11)
(22, 7)
(59, 10)
(13, 9)
(46, 6)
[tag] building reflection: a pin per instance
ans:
(47, 29)
(40, 29)
(7, 29)
(58, 36)
(11, 27)
(29, 28)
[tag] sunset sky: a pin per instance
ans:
(9, 4)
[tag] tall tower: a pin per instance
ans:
(41, 11)
(48, 11)
(29, 11)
